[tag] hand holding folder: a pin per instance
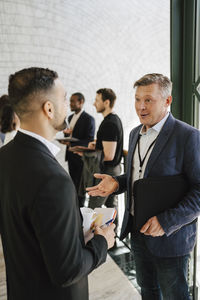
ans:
(153, 195)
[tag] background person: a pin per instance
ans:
(82, 127)
(109, 141)
(40, 223)
(9, 121)
(163, 245)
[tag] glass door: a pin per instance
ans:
(196, 95)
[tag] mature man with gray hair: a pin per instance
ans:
(164, 166)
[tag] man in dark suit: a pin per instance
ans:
(161, 146)
(82, 127)
(40, 222)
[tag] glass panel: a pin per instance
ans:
(198, 235)
(197, 124)
(198, 261)
(196, 264)
(198, 88)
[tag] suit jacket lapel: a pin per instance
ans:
(161, 141)
(131, 150)
(77, 122)
(70, 117)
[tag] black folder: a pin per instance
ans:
(153, 195)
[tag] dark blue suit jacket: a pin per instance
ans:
(84, 130)
(176, 151)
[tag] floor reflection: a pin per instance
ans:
(124, 258)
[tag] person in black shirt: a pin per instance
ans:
(109, 141)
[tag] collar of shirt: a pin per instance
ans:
(156, 127)
(77, 115)
(74, 119)
(111, 113)
(80, 112)
(52, 147)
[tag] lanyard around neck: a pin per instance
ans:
(140, 159)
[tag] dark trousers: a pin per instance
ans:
(75, 165)
(160, 277)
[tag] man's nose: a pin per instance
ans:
(142, 105)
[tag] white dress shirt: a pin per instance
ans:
(74, 119)
(146, 138)
(52, 147)
(9, 136)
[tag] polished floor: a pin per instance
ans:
(123, 257)
(108, 282)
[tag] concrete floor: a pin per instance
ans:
(108, 282)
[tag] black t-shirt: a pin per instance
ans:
(111, 130)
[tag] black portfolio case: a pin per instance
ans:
(153, 195)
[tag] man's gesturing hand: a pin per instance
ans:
(152, 227)
(107, 186)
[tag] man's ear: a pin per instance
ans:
(107, 103)
(82, 102)
(48, 109)
(169, 100)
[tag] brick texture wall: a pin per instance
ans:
(90, 43)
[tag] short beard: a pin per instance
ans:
(61, 126)
(101, 110)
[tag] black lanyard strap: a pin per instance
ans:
(140, 159)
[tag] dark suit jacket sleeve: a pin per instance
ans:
(189, 208)
(56, 220)
(88, 125)
(123, 179)
(122, 183)
(84, 129)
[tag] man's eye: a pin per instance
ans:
(148, 100)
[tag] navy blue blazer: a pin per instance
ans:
(176, 151)
(84, 130)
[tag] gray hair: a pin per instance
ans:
(163, 82)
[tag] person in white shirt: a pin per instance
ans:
(81, 127)
(161, 148)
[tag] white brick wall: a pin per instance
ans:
(90, 43)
